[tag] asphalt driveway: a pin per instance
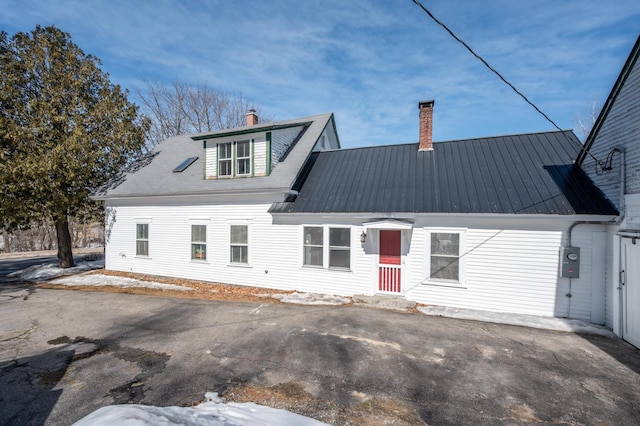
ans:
(65, 353)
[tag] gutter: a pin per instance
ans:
(280, 190)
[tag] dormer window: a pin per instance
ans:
(225, 159)
(243, 158)
(234, 159)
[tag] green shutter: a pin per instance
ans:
(204, 156)
(268, 153)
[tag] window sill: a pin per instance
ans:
(201, 261)
(239, 265)
(450, 284)
(140, 256)
(322, 268)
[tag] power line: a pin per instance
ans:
(481, 59)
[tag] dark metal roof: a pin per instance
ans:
(519, 174)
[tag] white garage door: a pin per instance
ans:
(631, 291)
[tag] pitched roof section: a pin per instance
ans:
(608, 105)
(520, 174)
(153, 175)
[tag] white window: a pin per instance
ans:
(234, 159)
(243, 158)
(445, 261)
(339, 248)
(316, 251)
(198, 242)
(313, 246)
(239, 247)
(225, 159)
(142, 239)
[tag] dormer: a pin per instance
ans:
(256, 149)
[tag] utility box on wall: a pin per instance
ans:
(570, 262)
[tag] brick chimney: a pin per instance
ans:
(426, 125)
(252, 117)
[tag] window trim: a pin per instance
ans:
(225, 159)
(339, 248)
(237, 158)
(304, 246)
(193, 243)
(326, 247)
(233, 158)
(146, 240)
(247, 244)
(462, 251)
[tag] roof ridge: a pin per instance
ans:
(452, 140)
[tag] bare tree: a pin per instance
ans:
(182, 108)
(586, 119)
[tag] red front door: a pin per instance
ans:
(389, 265)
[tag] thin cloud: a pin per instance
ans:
(370, 62)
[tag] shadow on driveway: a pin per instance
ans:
(618, 349)
(27, 386)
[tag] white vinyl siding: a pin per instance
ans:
(260, 157)
(510, 264)
(621, 129)
(211, 160)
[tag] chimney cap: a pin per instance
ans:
(426, 104)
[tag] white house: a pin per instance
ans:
(611, 157)
(504, 223)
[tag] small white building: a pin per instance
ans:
(504, 223)
(611, 157)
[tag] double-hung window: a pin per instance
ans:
(445, 255)
(239, 247)
(142, 239)
(243, 158)
(234, 159)
(335, 254)
(198, 242)
(225, 159)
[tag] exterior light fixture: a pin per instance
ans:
(363, 237)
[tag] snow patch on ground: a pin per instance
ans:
(213, 412)
(533, 321)
(108, 280)
(48, 271)
(311, 299)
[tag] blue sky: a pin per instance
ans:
(369, 62)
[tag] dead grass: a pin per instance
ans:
(201, 289)
(292, 397)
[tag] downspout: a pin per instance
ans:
(570, 236)
(621, 209)
(618, 221)
(623, 183)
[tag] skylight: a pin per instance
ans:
(186, 163)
